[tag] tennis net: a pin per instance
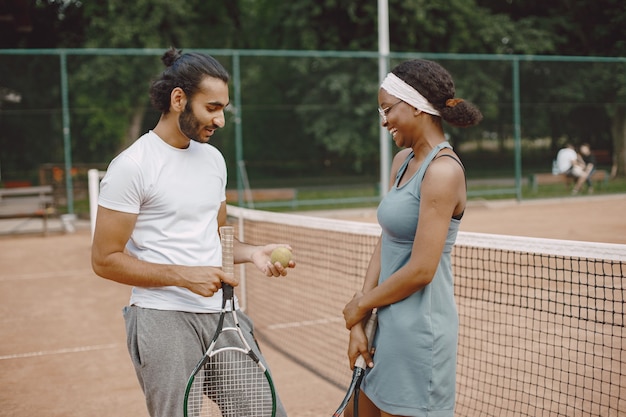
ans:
(542, 322)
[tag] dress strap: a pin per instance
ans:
(422, 170)
(400, 172)
(429, 158)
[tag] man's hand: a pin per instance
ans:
(204, 280)
(261, 258)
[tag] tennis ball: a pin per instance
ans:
(282, 255)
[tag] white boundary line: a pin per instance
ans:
(47, 275)
(304, 323)
(59, 351)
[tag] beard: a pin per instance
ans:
(189, 124)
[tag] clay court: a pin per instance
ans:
(63, 352)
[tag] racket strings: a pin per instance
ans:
(230, 384)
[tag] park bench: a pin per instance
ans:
(263, 194)
(603, 157)
(546, 178)
(27, 202)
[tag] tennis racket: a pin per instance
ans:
(359, 370)
(229, 381)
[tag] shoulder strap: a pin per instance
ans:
(429, 158)
(403, 167)
(455, 159)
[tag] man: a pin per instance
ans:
(161, 203)
(569, 163)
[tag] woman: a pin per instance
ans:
(409, 278)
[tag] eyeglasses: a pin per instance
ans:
(384, 112)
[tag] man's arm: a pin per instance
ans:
(109, 260)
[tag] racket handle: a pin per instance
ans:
(227, 235)
(227, 291)
(370, 330)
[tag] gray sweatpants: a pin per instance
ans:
(165, 346)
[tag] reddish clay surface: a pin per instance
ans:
(62, 344)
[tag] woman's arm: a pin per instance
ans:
(443, 190)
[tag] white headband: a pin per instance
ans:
(398, 88)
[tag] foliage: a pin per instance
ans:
(580, 27)
(460, 26)
(577, 27)
(318, 109)
(314, 25)
(330, 112)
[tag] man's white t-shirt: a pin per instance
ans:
(176, 194)
(565, 159)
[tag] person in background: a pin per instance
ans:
(409, 278)
(590, 164)
(570, 164)
(161, 203)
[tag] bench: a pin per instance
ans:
(603, 157)
(546, 178)
(27, 202)
(263, 194)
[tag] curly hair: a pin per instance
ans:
(185, 71)
(435, 83)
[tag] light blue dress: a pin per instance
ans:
(416, 341)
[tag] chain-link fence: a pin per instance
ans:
(304, 120)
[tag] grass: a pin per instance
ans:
(613, 186)
(366, 196)
(354, 195)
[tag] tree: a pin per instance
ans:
(323, 109)
(583, 28)
(333, 111)
(122, 82)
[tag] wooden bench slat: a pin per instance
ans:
(25, 191)
(547, 178)
(603, 156)
(17, 214)
(26, 202)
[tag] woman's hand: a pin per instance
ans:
(351, 312)
(358, 346)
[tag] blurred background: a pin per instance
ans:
(74, 79)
